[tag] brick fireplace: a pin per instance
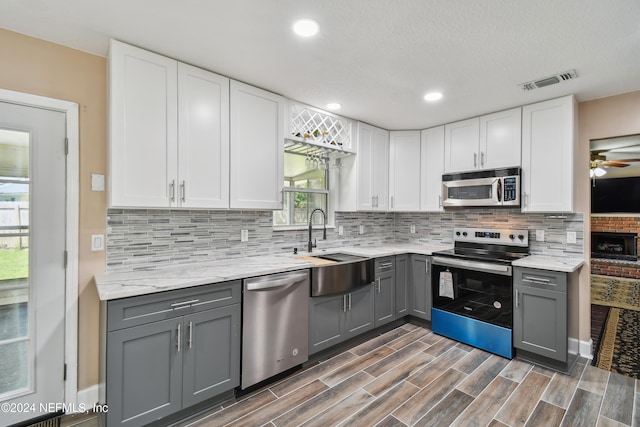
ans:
(619, 228)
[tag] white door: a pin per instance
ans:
(461, 142)
(404, 170)
(256, 148)
(203, 139)
(32, 258)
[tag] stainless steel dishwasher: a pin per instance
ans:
(275, 325)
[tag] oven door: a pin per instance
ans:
(473, 289)
(472, 192)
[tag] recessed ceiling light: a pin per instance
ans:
(433, 96)
(333, 106)
(305, 27)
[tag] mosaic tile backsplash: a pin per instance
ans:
(145, 239)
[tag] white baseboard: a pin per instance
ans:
(583, 348)
(89, 396)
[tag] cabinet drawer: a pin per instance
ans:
(127, 312)
(385, 264)
(542, 279)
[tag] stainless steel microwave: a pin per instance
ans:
(495, 187)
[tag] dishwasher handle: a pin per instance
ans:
(263, 284)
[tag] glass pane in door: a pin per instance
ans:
(15, 345)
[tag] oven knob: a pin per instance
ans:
(457, 233)
(520, 236)
(464, 233)
(511, 236)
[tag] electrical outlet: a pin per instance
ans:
(340, 230)
(361, 231)
(571, 237)
(97, 242)
(539, 235)
(244, 235)
(412, 229)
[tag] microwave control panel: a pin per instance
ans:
(510, 189)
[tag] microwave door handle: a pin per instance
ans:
(495, 191)
(499, 188)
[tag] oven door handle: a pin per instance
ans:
(487, 267)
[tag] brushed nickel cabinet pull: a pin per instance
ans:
(178, 343)
(190, 334)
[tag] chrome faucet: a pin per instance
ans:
(312, 244)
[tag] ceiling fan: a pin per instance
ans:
(598, 159)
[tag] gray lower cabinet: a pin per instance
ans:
(402, 282)
(158, 367)
(336, 318)
(385, 290)
(540, 313)
(420, 299)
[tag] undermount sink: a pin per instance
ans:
(347, 273)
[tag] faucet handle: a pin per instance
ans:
(315, 243)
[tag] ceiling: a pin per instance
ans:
(376, 57)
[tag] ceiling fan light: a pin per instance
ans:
(598, 172)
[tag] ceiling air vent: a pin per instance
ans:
(550, 80)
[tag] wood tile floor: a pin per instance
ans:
(412, 377)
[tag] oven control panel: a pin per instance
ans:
(492, 236)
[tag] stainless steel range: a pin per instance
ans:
(473, 287)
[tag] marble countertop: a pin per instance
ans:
(545, 262)
(178, 276)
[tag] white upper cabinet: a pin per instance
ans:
(432, 167)
(142, 127)
(548, 141)
(372, 168)
(487, 142)
(257, 148)
(404, 170)
(169, 140)
(500, 139)
(203, 139)
(461, 142)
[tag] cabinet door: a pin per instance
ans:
(461, 143)
(257, 148)
(547, 155)
(385, 293)
(211, 353)
(500, 139)
(144, 373)
(203, 139)
(372, 168)
(401, 281)
(366, 200)
(432, 168)
(540, 322)
(326, 321)
(143, 127)
(420, 299)
(380, 169)
(404, 170)
(360, 311)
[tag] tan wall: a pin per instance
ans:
(37, 67)
(601, 118)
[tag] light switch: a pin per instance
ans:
(539, 235)
(97, 182)
(361, 230)
(97, 242)
(340, 230)
(412, 229)
(571, 237)
(244, 235)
